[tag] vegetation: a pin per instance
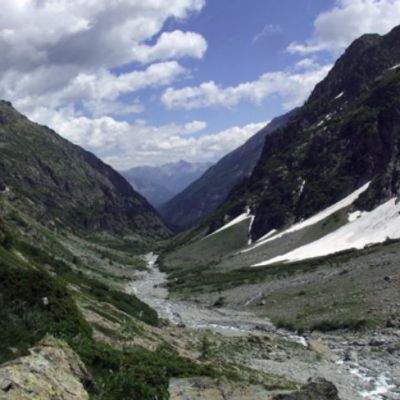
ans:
(33, 303)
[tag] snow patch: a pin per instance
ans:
(237, 220)
(250, 228)
(269, 234)
(347, 201)
(354, 215)
(371, 227)
(303, 184)
(339, 96)
(394, 67)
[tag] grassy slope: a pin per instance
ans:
(338, 291)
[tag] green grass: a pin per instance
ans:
(207, 278)
(131, 373)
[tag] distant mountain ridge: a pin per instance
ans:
(62, 185)
(206, 193)
(160, 184)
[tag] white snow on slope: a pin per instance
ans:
(250, 241)
(371, 227)
(237, 220)
(394, 67)
(347, 201)
(339, 96)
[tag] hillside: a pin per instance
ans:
(205, 194)
(160, 184)
(318, 218)
(345, 136)
(65, 187)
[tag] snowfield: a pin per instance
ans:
(243, 217)
(346, 202)
(371, 227)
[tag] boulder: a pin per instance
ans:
(51, 371)
(318, 389)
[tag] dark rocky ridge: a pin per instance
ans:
(333, 145)
(62, 185)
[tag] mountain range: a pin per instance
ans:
(206, 193)
(286, 264)
(160, 184)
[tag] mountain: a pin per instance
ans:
(311, 240)
(347, 134)
(64, 186)
(206, 193)
(160, 184)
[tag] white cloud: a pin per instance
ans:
(175, 145)
(124, 145)
(87, 33)
(293, 87)
(98, 91)
(62, 53)
(267, 30)
(176, 44)
(335, 29)
(195, 126)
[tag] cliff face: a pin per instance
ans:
(61, 184)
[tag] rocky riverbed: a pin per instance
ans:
(361, 367)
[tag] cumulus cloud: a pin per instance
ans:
(292, 87)
(176, 44)
(89, 33)
(335, 29)
(124, 144)
(175, 145)
(62, 52)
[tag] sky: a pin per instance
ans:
(145, 82)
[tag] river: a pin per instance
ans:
(362, 378)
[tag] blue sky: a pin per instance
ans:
(145, 82)
(245, 39)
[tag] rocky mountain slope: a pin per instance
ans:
(62, 185)
(210, 190)
(318, 218)
(160, 184)
(347, 134)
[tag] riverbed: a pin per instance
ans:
(363, 376)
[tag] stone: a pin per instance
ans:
(51, 371)
(321, 349)
(203, 388)
(318, 389)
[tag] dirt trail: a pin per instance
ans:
(363, 376)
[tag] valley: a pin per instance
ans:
(271, 274)
(361, 366)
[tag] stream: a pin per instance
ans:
(360, 379)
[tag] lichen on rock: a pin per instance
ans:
(51, 371)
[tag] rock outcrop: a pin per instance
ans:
(318, 389)
(210, 389)
(51, 371)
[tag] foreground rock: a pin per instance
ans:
(319, 389)
(51, 371)
(210, 389)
